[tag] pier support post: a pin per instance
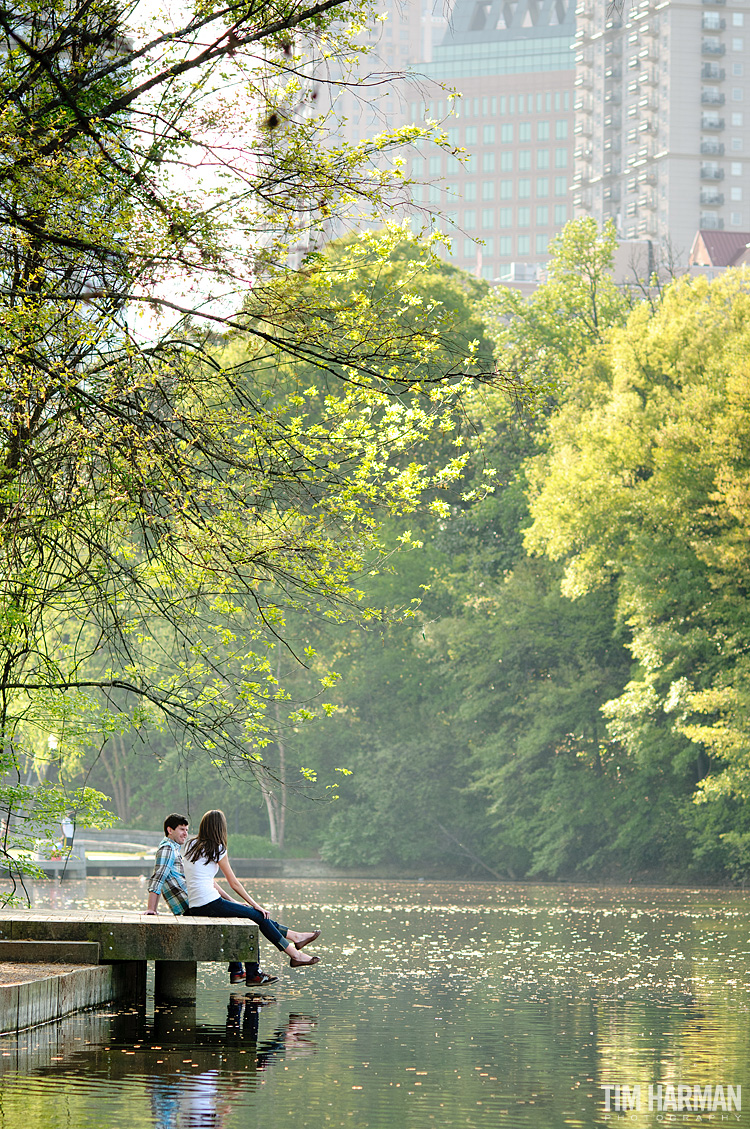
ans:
(175, 980)
(129, 981)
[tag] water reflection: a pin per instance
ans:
(436, 1004)
(195, 1073)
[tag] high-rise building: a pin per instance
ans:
(512, 62)
(660, 117)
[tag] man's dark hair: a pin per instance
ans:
(172, 822)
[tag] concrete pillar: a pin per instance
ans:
(129, 981)
(175, 980)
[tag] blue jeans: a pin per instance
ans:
(271, 930)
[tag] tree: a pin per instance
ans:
(162, 508)
(643, 488)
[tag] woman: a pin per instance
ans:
(202, 857)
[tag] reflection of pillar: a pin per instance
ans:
(129, 980)
(175, 1024)
(175, 980)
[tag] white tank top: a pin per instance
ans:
(199, 877)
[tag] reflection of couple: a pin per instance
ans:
(204, 1101)
(188, 882)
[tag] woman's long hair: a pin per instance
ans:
(211, 841)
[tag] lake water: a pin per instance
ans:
(435, 1004)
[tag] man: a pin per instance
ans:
(169, 879)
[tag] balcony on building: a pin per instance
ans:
(712, 98)
(583, 128)
(649, 53)
(711, 197)
(650, 29)
(583, 81)
(612, 192)
(647, 201)
(613, 72)
(631, 208)
(648, 102)
(612, 145)
(711, 122)
(712, 21)
(582, 104)
(649, 77)
(712, 148)
(712, 47)
(709, 221)
(613, 49)
(714, 3)
(711, 171)
(614, 24)
(613, 121)
(611, 168)
(614, 96)
(711, 72)
(647, 176)
(583, 153)
(584, 59)
(647, 126)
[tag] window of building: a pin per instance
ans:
(524, 160)
(737, 94)
(506, 245)
(488, 271)
(738, 43)
(541, 244)
(736, 144)
(451, 190)
(506, 189)
(435, 163)
(737, 117)
(488, 218)
(417, 166)
(737, 70)
(735, 193)
(561, 158)
(542, 215)
(488, 134)
(470, 164)
(470, 219)
(451, 219)
(452, 135)
(736, 219)
(542, 187)
(542, 158)
(524, 244)
(736, 168)
(488, 190)
(470, 249)
(434, 194)
(738, 19)
(488, 162)
(506, 217)
(524, 188)
(561, 129)
(542, 131)
(506, 132)
(561, 214)
(524, 131)
(470, 135)
(524, 217)
(470, 190)
(506, 162)
(561, 184)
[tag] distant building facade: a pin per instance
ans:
(512, 62)
(662, 115)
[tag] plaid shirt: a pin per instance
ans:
(169, 877)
